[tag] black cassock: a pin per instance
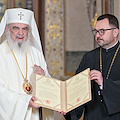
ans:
(105, 105)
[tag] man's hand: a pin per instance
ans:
(31, 103)
(39, 70)
(96, 76)
(63, 113)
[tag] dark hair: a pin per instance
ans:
(111, 18)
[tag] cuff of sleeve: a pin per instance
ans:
(101, 87)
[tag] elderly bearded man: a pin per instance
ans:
(20, 53)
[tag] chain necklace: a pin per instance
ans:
(111, 62)
(27, 87)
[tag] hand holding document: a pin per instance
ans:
(63, 95)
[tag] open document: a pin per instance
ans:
(63, 95)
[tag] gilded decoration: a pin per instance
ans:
(54, 40)
(94, 20)
(20, 3)
(3, 6)
(24, 4)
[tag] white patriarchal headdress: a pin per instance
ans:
(20, 15)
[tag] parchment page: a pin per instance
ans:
(78, 90)
(48, 91)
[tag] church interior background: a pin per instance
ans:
(65, 27)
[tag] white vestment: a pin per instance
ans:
(13, 100)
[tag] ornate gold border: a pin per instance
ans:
(54, 37)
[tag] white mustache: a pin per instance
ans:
(20, 36)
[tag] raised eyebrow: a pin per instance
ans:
(26, 28)
(102, 29)
(15, 27)
(99, 29)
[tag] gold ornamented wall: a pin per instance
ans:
(3, 6)
(54, 37)
(20, 3)
(24, 4)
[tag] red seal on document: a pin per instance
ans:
(78, 99)
(47, 101)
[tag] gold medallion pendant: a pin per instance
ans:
(27, 87)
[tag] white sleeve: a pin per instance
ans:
(13, 106)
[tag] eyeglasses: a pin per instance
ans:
(101, 31)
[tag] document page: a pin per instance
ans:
(63, 95)
(78, 90)
(48, 92)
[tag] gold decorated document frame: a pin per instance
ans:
(63, 95)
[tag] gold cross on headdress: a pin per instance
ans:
(20, 15)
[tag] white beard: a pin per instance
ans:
(20, 46)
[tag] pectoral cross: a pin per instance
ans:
(20, 15)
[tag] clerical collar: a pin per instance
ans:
(112, 46)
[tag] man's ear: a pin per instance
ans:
(116, 32)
